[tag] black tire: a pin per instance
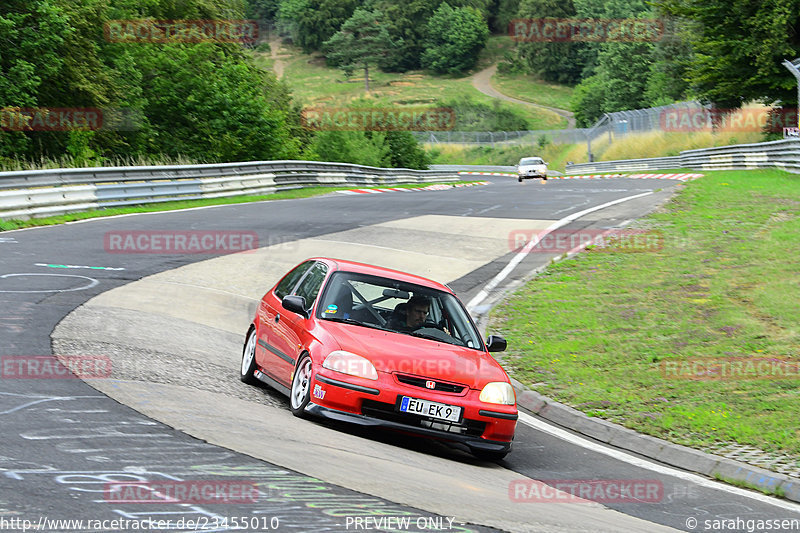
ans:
(249, 359)
(544, 178)
(300, 393)
(520, 180)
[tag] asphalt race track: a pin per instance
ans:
(172, 408)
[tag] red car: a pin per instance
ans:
(378, 347)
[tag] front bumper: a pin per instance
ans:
(473, 443)
(483, 427)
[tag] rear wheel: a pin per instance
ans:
(300, 394)
(249, 359)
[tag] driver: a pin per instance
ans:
(416, 312)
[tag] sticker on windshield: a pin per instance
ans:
(332, 309)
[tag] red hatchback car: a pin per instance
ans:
(378, 347)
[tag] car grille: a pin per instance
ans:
(440, 386)
(386, 411)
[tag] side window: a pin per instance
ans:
(290, 280)
(309, 287)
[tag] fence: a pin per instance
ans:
(784, 154)
(616, 124)
(32, 193)
(494, 138)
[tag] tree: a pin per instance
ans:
(738, 48)
(454, 39)
(312, 22)
(559, 62)
(263, 9)
(362, 41)
(588, 101)
(666, 81)
(203, 103)
(501, 13)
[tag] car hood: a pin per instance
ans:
(399, 353)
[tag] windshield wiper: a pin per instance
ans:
(354, 322)
(428, 336)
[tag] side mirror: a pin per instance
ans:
(496, 343)
(295, 304)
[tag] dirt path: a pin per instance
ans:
(277, 63)
(483, 82)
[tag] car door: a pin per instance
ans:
(268, 316)
(288, 327)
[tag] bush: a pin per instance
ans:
(455, 38)
(472, 115)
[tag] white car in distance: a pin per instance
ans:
(531, 167)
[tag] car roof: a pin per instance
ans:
(374, 270)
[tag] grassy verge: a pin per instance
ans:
(597, 332)
(662, 144)
(6, 225)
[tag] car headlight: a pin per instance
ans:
(350, 364)
(498, 392)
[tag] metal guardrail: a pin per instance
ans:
(783, 154)
(32, 193)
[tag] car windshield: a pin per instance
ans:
(532, 161)
(391, 305)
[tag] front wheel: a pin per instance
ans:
(249, 359)
(520, 179)
(300, 394)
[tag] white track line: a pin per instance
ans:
(517, 259)
(559, 433)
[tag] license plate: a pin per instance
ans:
(428, 408)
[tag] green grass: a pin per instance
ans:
(11, 224)
(594, 331)
(68, 161)
(315, 84)
(531, 89)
